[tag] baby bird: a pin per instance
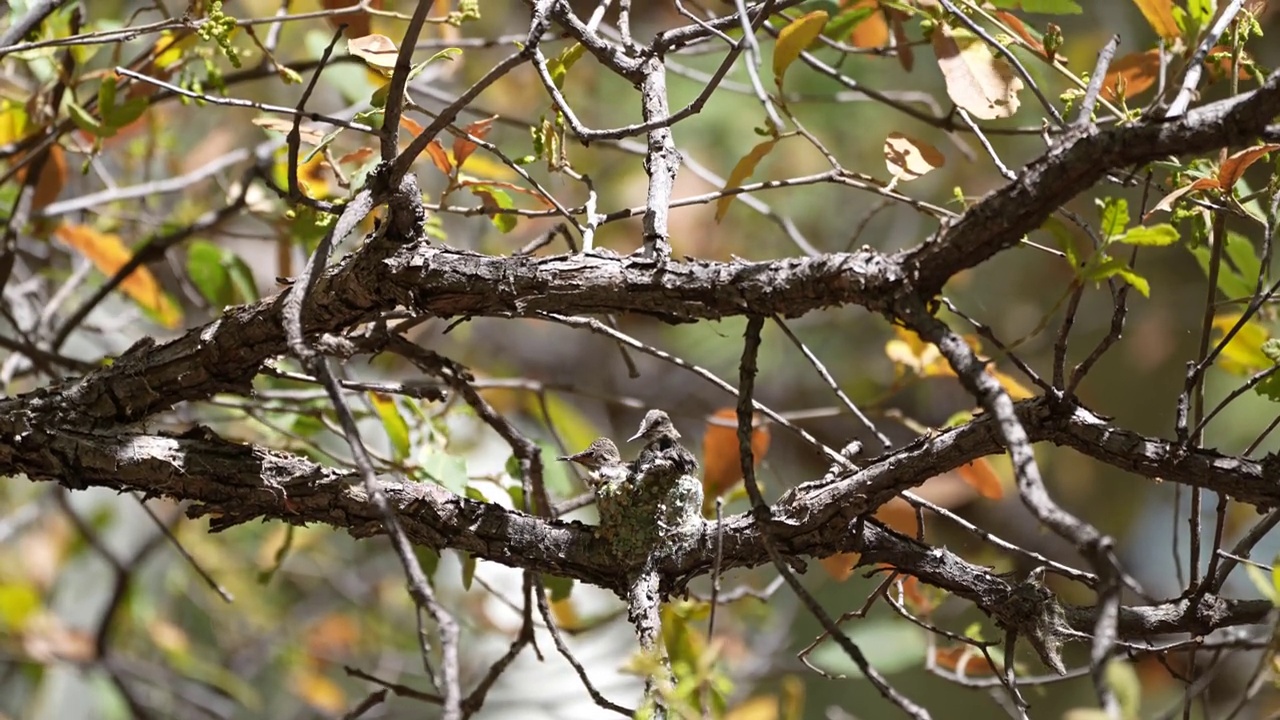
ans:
(603, 461)
(662, 450)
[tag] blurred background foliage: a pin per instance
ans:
(309, 602)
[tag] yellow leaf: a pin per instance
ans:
(1159, 15)
(741, 172)
(793, 39)
(1017, 391)
(907, 158)
(318, 691)
(761, 707)
(1243, 355)
(169, 637)
(976, 80)
(109, 254)
(13, 121)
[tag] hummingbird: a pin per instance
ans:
(662, 446)
(603, 461)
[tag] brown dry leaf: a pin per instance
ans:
(1166, 202)
(309, 134)
(462, 147)
(1159, 15)
(906, 56)
(964, 660)
(907, 158)
(378, 51)
(721, 464)
(1233, 168)
(440, 158)
(872, 32)
(1136, 72)
(977, 80)
(108, 253)
(743, 170)
(840, 566)
(982, 477)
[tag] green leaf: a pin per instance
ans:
(1115, 217)
(1240, 251)
(87, 122)
(241, 277)
(1271, 348)
(496, 199)
(1115, 267)
(1124, 682)
(125, 113)
(393, 422)
(1265, 585)
(1230, 283)
(449, 471)
(1150, 236)
(559, 67)
(890, 647)
(1051, 7)
(209, 275)
(559, 587)
(1269, 388)
(845, 22)
(107, 94)
(468, 570)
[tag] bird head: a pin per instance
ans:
(655, 425)
(600, 453)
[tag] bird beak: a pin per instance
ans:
(635, 437)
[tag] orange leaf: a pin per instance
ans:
(440, 158)
(331, 635)
(982, 477)
(721, 463)
(462, 147)
(356, 157)
(1159, 15)
(840, 566)
(964, 660)
(358, 23)
(53, 176)
(1021, 31)
(741, 172)
(109, 254)
(408, 124)
(872, 32)
(1232, 169)
(1135, 72)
